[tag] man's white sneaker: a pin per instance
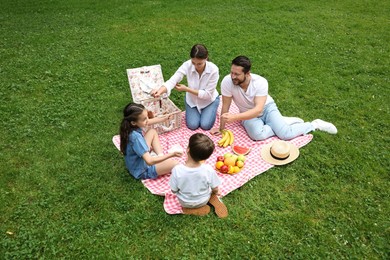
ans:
(324, 126)
(292, 120)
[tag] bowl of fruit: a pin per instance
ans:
(230, 163)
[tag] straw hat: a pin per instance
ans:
(279, 152)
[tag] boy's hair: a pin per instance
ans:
(200, 147)
(131, 113)
(199, 51)
(244, 62)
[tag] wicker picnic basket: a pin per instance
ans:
(142, 81)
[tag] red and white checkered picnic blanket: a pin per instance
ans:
(254, 164)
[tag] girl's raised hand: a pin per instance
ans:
(167, 117)
(177, 153)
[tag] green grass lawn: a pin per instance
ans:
(64, 189)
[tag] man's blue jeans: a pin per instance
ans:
(272, 123)
(205, 119)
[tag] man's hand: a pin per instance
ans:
(228, 118)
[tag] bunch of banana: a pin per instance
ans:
(227, 138)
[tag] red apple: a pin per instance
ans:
(220, 158)
(224, 169)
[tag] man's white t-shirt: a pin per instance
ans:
(193, 185)
(258, 87)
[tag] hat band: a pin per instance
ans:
(278, 158)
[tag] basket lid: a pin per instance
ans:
(143, 80)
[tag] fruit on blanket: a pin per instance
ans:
(236, 169)
(219, 164)
(224, 168)
(227, 155)
(220, 159)
(231, 137)
(226, 143)
(227, 138)
(240, 164)
(231, 161)
(240, 150)
(241, 158)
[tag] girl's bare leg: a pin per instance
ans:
(165, 166)
(153, 141)
(151, 138)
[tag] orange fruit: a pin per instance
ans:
(218, 165)
(230, 161)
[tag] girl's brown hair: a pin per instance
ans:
(131, 113)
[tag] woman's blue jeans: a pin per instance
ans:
(205, 119)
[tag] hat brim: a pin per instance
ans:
(266, 155)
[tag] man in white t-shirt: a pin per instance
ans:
(258, 112)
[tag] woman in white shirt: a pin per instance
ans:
(202, 98)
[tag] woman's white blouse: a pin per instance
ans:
(206, 84)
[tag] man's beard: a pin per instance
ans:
(238, 82)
